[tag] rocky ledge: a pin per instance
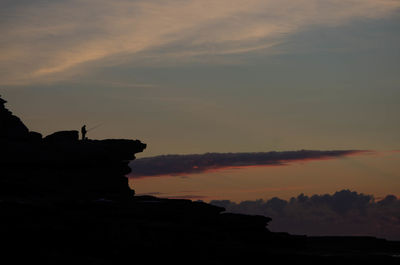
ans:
(60, 165)
(67, 201)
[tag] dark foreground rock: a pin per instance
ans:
(67, 201)
(60, 166)
(147, 230)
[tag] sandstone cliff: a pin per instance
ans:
(60, 165)
(67, 201)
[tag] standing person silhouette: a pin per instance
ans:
(83, 131)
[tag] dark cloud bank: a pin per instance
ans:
(175, 165)
(343, 213)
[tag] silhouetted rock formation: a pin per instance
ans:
(63, 136)
(11, 127)
(148, 230)
(66, 201)
(60, 165)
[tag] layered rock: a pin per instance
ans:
(60, 165)
(67, 201)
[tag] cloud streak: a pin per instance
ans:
(180, 165)
(52, 40)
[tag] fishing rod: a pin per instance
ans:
(94, 127)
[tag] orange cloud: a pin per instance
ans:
(181, 165)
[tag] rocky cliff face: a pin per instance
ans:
(11, 127)
(60, 165)
(66, 201)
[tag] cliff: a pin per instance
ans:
(60, 165)
(67, 201)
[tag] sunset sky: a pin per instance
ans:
(223, 76)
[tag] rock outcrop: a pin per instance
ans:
(67, 201)
(60, 165)
(11, 127)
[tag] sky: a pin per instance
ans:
(196, 77)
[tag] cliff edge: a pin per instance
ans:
(60, 165)
(67, 201)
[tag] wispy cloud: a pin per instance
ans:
(178, 165)
(51, 40)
